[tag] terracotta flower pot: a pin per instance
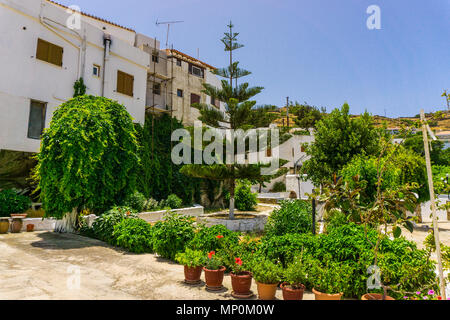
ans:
(292, 294)
(241, 285)
(16, 225)
(192, 274)
(4, 225)
(325, 296)
(375, 296)
(267, 291)
(214, 279)
(30, 227)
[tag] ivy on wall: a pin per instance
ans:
(159, 177)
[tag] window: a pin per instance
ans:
(96, 71)
(196, 71)
(195, 98)
(157, 88)
(125, 83)
(179, 62)
(49, 52)
(180, 93)
(155, 58)
(36, 120)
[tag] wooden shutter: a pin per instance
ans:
(49, 52)
(125, 83)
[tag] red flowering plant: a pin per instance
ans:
(213, 262)
(231, 257)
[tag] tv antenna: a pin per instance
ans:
(168, 29)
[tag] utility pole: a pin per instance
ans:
(287, 108)
(168, 29)
(433, 203)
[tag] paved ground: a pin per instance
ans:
(44, 265)
(40, 266)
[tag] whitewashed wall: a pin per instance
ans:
(24, 78)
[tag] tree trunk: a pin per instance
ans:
(68, 223)
(232, 187)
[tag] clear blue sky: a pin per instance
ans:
(318, 51)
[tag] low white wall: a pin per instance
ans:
(195, 211)
(39, 224)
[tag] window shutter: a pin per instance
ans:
(49, 52)
(42, 51)
(125, 83)
(120, 82)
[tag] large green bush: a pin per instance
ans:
(245, 199)
(213, 238)
(103, 226)
(172, 235)
(135, 235)
(172, 202)
(400, 260)
(11, 202)
(88, 157)
(294, 216)
(136, 201)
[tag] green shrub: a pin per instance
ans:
(151, 205)
(265, 271)
(295, 274)
(294, 216)
(212, 238)
(172, 235)
(135, 235)
(284, 248)
(136, 201)
(279, 186)
(335, 219)
(103, 226)
(348, 245)
(11, 202)
(172, 202)
(245, 200)
(191, 258)
(329, 277)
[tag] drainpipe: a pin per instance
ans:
(107, 47)
(81, 48)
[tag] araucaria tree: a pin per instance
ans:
(88, 159)
(236, 116)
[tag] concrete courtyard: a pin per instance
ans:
(50, 266)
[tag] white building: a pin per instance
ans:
(41, 58)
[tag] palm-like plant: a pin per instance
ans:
(237, 115)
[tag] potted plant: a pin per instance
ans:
(13, 204)
(214, 272)
(4, 225)
(294, 276)
(328, 280)
(30, 227)
(241, 280)
(193, 262)
(267, 276)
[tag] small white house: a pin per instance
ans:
(41, 58)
